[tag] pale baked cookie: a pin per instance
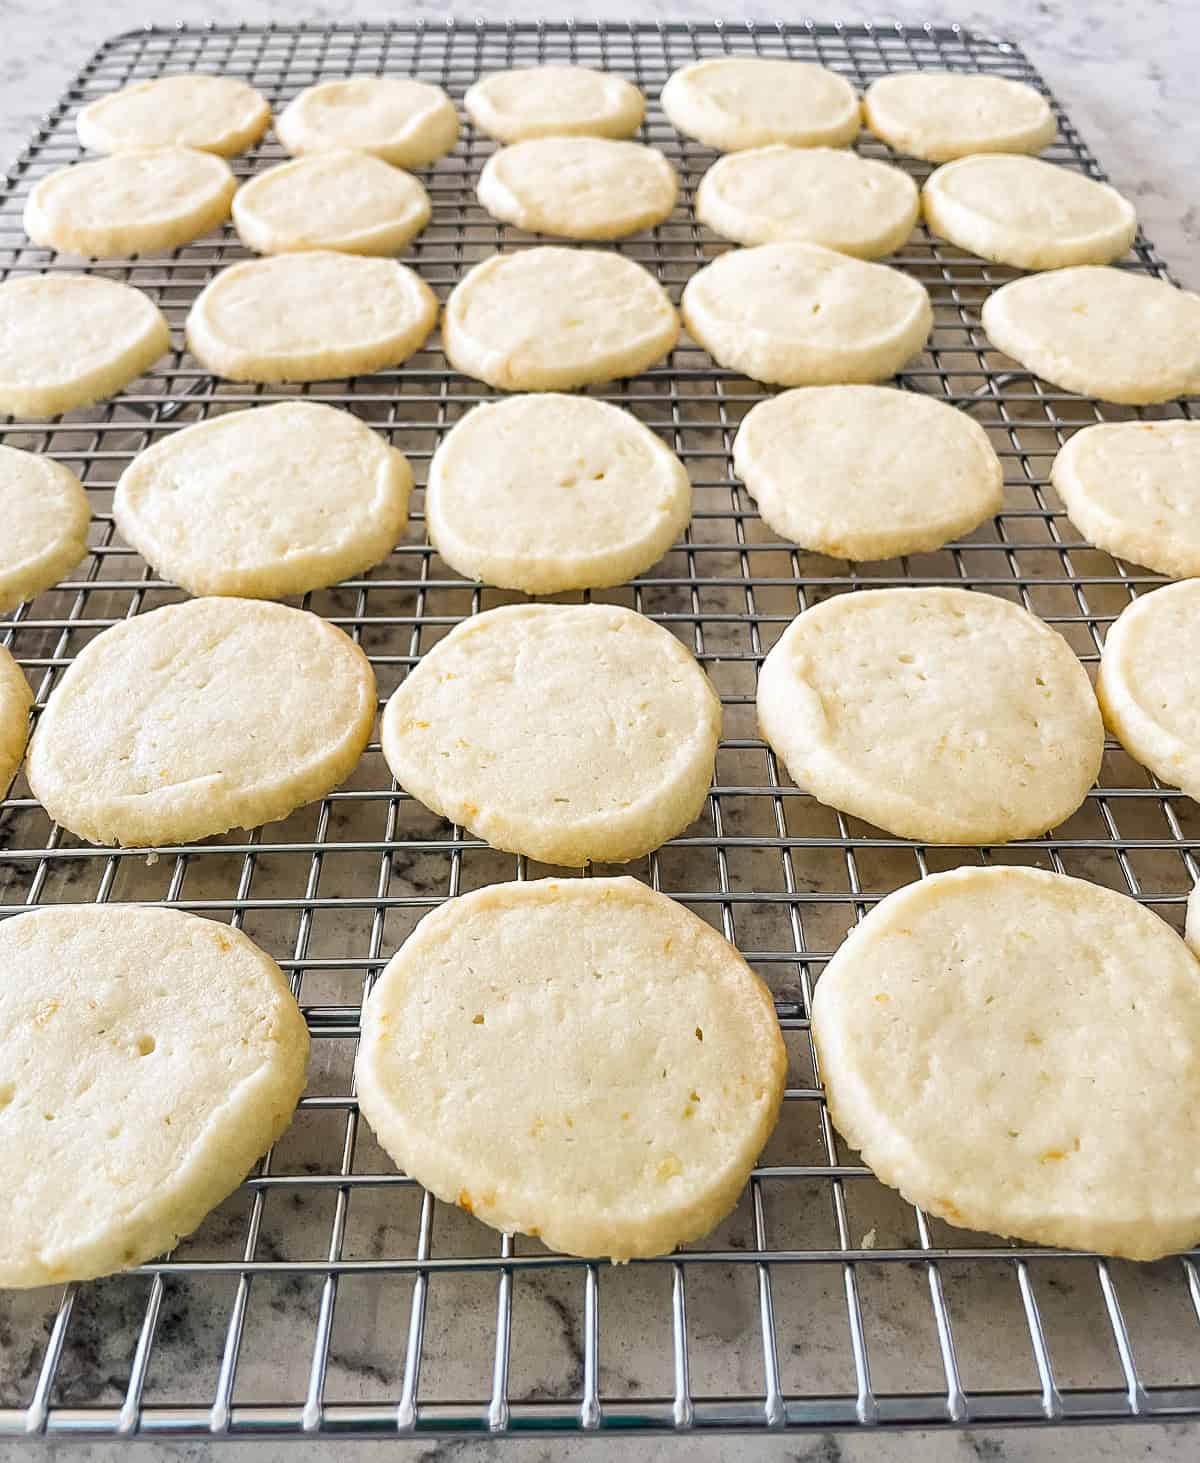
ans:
(939, 115)
(343, 200)
(867, 472)
(548, 493)
(578, 187)
(554, 101)
(734, 102)
(798, 315)
(311, 316)
(1100, 331)
(1027, 213)
(67, 340)
(959, 1031)
(1192, 932)
(937, 714)
(1149, 683)
(149, 1059)
(581, 1059)
(821, 195)
(1133, 489)
(550, 318)
(571, 733)
(16, 699)
(406, 122)
(273, 501)
(45, 514)
(198, 718)
(213, 113)
(131, 202)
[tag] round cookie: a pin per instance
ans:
(799, 315)
(554, 101)
(867, 472)
(67, 340)
(525, 1029)
(212, 113)
(550, 318)
(959, 1035)
(1027, 213)
(941, 715)
(735, 102)
(201, 717)
(570, 733)
(1133, 489)
(578, 187)
(820, 195)
(343, 200)
(1192, 932)
(16, 701)
(405, 122)
(548, 493)
(313, 316)
(131, 203)
(152, 1058)
(939, 115)
(1061, 325)
(1149, 683)
(273, 501)
(45, 513)
(70, 340)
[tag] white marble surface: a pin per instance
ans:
(1126, 73)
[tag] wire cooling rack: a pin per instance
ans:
(332, 1295)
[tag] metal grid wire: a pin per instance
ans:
(330, 1294)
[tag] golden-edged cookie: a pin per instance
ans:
(942, 715)
(867, 472)
(403, 121)
(344, 200)
(213, 113)
(965, 1037)
(570, 733)
(147, 1059)
(67, 340)
(939, 115)
(1149, 683)
(201, 717)
(734, 102)
(45, 513)
(554, 101)
(264, 503)
(548, 493)
(133, 202)
(799, 315)
(583, 1060)
(550, 318)
(310, 317)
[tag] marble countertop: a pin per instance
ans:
(1126, 74)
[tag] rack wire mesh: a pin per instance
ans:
(330, 1294)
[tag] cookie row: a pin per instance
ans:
(1009, 209)
(525, 1028)
(729, 103)
(285, 499)
(586, 733)
(548, 318)
(565, 174)
(151, 1057)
